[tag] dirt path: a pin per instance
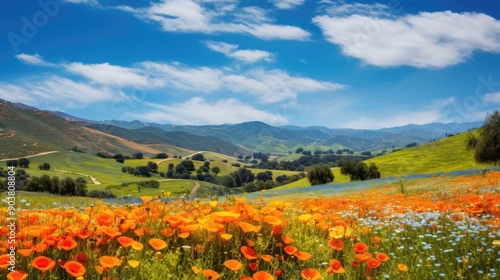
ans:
(189, 156)
(35, 155)
(94, 180)
(194, 190)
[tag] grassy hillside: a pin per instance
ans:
(448, 154)
(25, 132)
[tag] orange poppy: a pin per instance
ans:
(167, 232)
(373, 263)
(109, 231)
(225, 237)
(136, 245)
(43, 263)
(74, 268)
(302, 256)
(25, 252)
(310, 274)
(335, 266)
(273, 220)
(290, 249)
(125, 241)
(157, 244)
(4, 261)
(360, 247)
(108, 262)
(402, 267)
(266, 257)
(246, 227)
(382, 257)
(336, 244)
(363, 257)
(248, 253)
(67, 244)
(287, 240)
(234, 265)
(17, 275)
(210, 274)
(146, 198)
(262, 275)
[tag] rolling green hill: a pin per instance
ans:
(448, 154)
(25, 132)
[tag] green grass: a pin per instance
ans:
(339, 178)
(444, 155)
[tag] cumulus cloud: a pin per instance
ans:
(33, 59)
(424, 40)
(232, 51)
(215, 16)
(58, 90)
(287, 4)
(493, 97)
(199, 111)
(110, 75)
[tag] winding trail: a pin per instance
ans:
(94, 180)
(189, 156)
(194, 190)
(35, 155)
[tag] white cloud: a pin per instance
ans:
(287, 4)
(247, 56)
(493, 97)
(110, 75)
(58, 90)
(425, 40)
(33, 59)
(199, 111)
(214, 17)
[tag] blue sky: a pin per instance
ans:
(285, 62)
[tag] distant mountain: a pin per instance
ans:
(259, 136)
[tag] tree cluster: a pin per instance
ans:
(54, 185)
(486, 146)
(358, 170)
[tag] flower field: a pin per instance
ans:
(391, 232)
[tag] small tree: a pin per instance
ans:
(320, 174)
(215, 170)
(487, 145)
(198, 157)
(24, 162)
(138, 155)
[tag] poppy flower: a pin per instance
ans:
(109, 231)
(133, 263)
(125, 241)
(196, 269)
(335, 267)
(287, 240)
(262, 275)
(157, 244)
(74, 268)
(17, 275)
(402, 267)
(253, 266)
(146, 198)
(210, 274)
(290, 249)
(82, 258)
(43, 263)
(373, 263)
(234, 265)
(336, 244)
(25, 252)
(4, 261)
(108, 262)
(266, 257)
(382, 257)
(302, 256)
(248, 253)
(337, 232)
(310, 274)
(136, 245)
(363, 257)
(360, 247)
(273, 220)
(67, 244)
(246, 227)
(225, 237)
(250, 242)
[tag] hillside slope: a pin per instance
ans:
(448, 154)
(25, 132)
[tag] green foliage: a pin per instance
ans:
(358, 170)
(198, 157)
(320, 174)
(487, 146)
(24, 162)
(243, 176)
(44, 166)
